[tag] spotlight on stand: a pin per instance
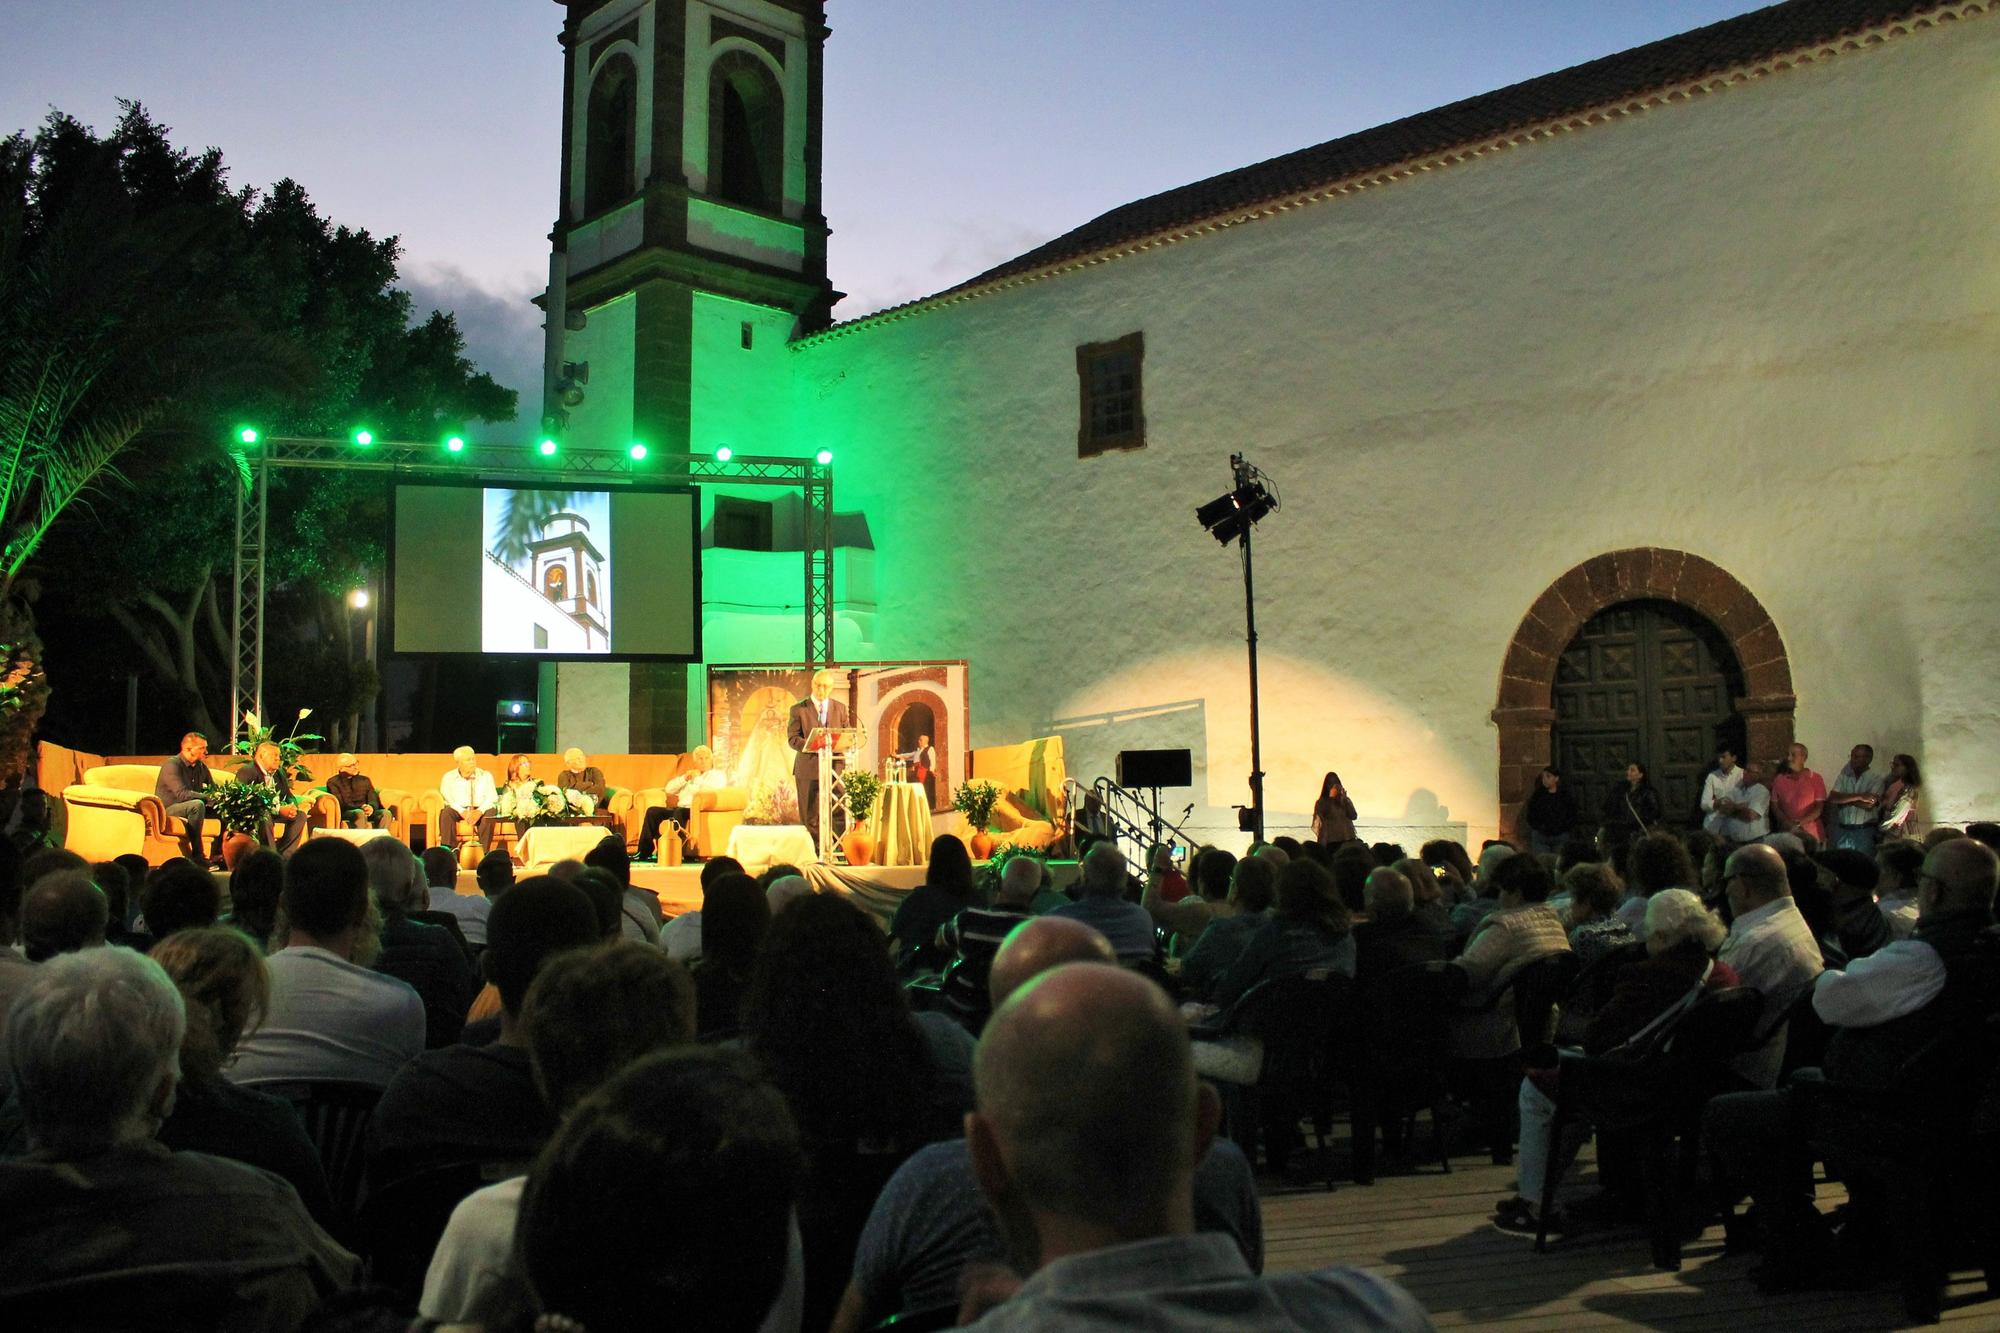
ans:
(1229, 518)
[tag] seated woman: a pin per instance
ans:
(734, 916)
(946, 891)
(1253, 884)
(1595, 927)
(1682, 936)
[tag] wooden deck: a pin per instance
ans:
(1431, 1232)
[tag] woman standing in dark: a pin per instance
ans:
(1550, 814)
(1333, 813)
(1632, 808)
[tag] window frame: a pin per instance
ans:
(1090, 357)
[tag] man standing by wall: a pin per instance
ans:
(1798, 798)
(1856, 802)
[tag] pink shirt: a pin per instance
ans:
(1792, 794)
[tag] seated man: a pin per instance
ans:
(1253, 887)
(267, 769)
(1104, 905)
(1089, 1055)
(469, 798)
(1393, 936)
(101, 1215)
(329, 1016)
(929, 1225)
(62, 913)
(704, 776)
(971, 938)
(183, 780)
(361, 806)
(1772, 949)
(460, 1103)
(580, 775)
(468, 910)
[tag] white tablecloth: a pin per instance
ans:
(351, 834)
(771, 844)
(549, 843)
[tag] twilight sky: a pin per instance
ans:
(958, 134)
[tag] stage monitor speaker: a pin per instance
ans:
(1155, 768)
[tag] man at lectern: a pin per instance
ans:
(821, 710)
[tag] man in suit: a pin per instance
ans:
(267, 768)
(821, 710)
(360, 804)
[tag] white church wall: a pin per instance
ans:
(607, 341)
(1762, 328)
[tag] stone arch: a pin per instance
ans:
(746, 129)
(899, 703)
(611, 134)
(1525, 712)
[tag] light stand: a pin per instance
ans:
(1230, 518)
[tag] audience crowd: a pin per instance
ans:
(342, 1092)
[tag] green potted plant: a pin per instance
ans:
(243, 809)
(292, 747)
(863, 789)
(975, 800)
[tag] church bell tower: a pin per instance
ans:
(689, 244)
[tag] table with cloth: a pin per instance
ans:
(902, 822)
(546, 844)
(763, 845)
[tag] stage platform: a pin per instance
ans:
(878, 888)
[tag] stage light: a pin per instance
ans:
(358, 599)
(247, 434)
(455, 444)
(1228, 516)
(824, 457)
(547, 447)
(364, 437)
(724, 453)
(638, 452)
(515, 710)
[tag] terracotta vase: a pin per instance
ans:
(982, 845)
(235, 846)
(469, 854)
(859, 845)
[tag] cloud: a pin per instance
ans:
(502, 329)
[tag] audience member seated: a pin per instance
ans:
(930, 1223)
(1771, 947)
(1452, 858)
(1939, 985)
(969, 940)
(331, 1017)
(1521, 928)
(681, 937)
(1595, 928)
(1848, 879)
(946, 891)
(1252, 889)
(1898, 862)
(1103, 905)
(783, 891)
(639, 909)
(736, 915)
(1430, 894)
(606, 896)
(180, 895)
(1655, 862)
(469, 909)
(1349, 867)
(425, 956)
(1682, 936)
(495, 875)
(588, 1014)
(120, 890)
(1091, 1055)
(479, 1103)
(1394, 936)
(101, 1212)
(62, 913)
(666, 1201)
(15, 969)
(254, 889)
(1466, 917)
(1190, 915)
(226, 987)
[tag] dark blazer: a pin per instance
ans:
(432, 962)
(1647, 990)
(354, 792)
(1383, 946)
(252, 774)
(804, 717)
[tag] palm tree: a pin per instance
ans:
(522, 519)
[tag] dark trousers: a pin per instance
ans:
(1758, 1144)
(649, 831)
(355, 819)
(448, 822)
(295, 829)
(192, 813)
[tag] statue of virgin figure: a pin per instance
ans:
(764, 772)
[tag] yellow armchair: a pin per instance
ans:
(713, 816)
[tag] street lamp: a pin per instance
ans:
(358, 599)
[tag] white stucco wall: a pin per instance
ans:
(1763, 327)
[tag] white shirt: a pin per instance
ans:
(681, 937)
(474, 793)
(1758, 797)
(680, 792)
(1720, 786)
(472, 1257)
(471, 909)
(1898, 978)
(331, 1019)
(1900, 911)
(1773, 949)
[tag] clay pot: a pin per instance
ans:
(469, 853)
(982, 845)
(859, 845)
(235, 846)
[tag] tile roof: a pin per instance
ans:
(1748, 39)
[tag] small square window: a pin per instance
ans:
(742, 525)
(1111, 413)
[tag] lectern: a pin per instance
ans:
(831, 743)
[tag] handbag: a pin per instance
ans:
(1636, 817)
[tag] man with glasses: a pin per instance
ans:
(1771, 947)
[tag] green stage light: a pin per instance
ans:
(547, 447)
(247, 434)
(638, 452)
(456, 444)
(824, 457)
(724, 454)
(364, 437)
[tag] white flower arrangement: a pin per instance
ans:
(542, 803)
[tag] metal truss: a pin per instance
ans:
(506, 463)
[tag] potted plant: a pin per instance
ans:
(292, 747)
(863, 789)
(975, 800)
(243, 809)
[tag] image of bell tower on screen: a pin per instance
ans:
(546, 582)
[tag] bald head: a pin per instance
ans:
(1958, 875)
(1089, 1112)
(1755, 875)
(1038, 944)
(1388, 894)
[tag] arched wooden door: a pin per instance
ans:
(1648, 680)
